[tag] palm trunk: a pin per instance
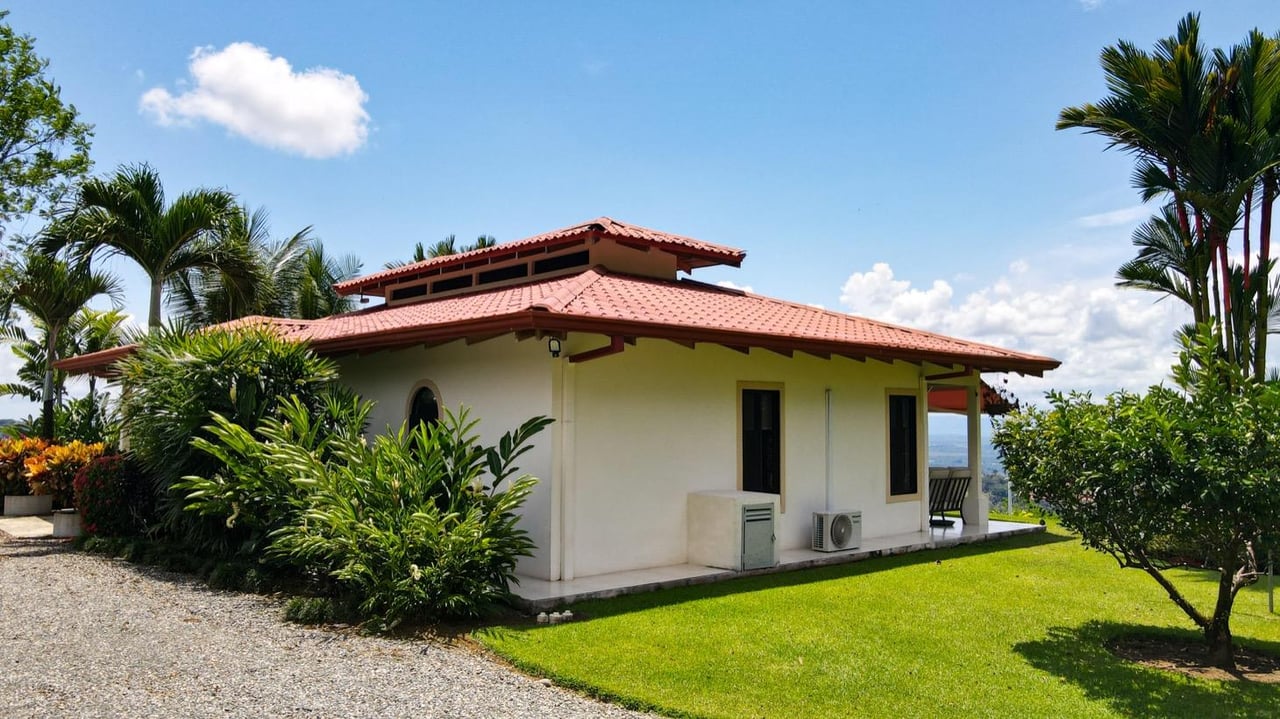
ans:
(46, 410)
(1224, 268)
(153, 319)
(1207, 242)
(1264, 282)
(1248, 213)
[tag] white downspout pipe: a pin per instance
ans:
(829, 475)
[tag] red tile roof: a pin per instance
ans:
(688, 311)
(692, 253)
(621, 306)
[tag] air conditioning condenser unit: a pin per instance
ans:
(834, 531)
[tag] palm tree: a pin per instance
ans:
(258, 281)
(315, 296)
(89, 330)
(285, 278)
(93, 330)
(51, 291)
(1205, 128)
(127, 214)
(447, 246)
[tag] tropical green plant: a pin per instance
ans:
(1204, 127)
(417, 524)
(112, 497)
(52, 291)
(447, 246)
(43, 143)
(127, 214)
(1197, 469)
(254, 492)
(176, 380)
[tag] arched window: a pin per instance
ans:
(424, 407)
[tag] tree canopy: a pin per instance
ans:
(43, 142)
(1204, 128)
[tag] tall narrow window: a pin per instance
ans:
(424, 408)
(762, 440)
(903, 448)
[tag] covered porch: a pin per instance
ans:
(540, 594)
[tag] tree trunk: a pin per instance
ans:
(1264, 282)
(1248, 212)
(1217, 633)
(46, 410)
(153, 319)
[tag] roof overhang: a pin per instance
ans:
(99, 363)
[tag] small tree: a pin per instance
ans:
(42, 141)
(1197, 468)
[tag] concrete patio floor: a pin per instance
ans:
(34, 527)
(540, 594)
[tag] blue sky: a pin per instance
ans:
(891, 159)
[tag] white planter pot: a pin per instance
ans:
(66, 523)
(25, 506)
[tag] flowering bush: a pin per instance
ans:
(54, 470)
(112, 497)
(13, 456)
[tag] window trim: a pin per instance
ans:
(413, 392)
(889, 496)
(780, 387)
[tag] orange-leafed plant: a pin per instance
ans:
(14, 452)
(53, 471)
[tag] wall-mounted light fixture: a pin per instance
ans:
(363, 300)
(553, 346)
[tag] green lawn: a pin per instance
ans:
(1011, 628)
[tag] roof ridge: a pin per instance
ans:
(560, 299)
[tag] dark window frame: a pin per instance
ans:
(747, 481)
(902, 451)
(410, 420)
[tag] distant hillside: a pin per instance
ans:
(952, 450)
(7, 422)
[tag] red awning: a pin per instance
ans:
(954, 400)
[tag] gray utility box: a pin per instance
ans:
(733, 530)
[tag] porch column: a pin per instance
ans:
(975, 504)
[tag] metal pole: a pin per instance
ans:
(1008, 493)
(1271, 584)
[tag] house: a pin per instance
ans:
(661, 387)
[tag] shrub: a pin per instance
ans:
(112, 496)
(53, 471)
(14, 452)
(1169, 478)
(311, 610)
(408, 524)
(176, 380)
(418, 524)
(254, 492)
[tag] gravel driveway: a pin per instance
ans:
(83, 636)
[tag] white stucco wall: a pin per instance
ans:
(659, 421)
(639, 430)
(502, 381)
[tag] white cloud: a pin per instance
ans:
(1115, 218)
(318, 112)
(1091, 4)
(734, 286)
(1106, 337)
